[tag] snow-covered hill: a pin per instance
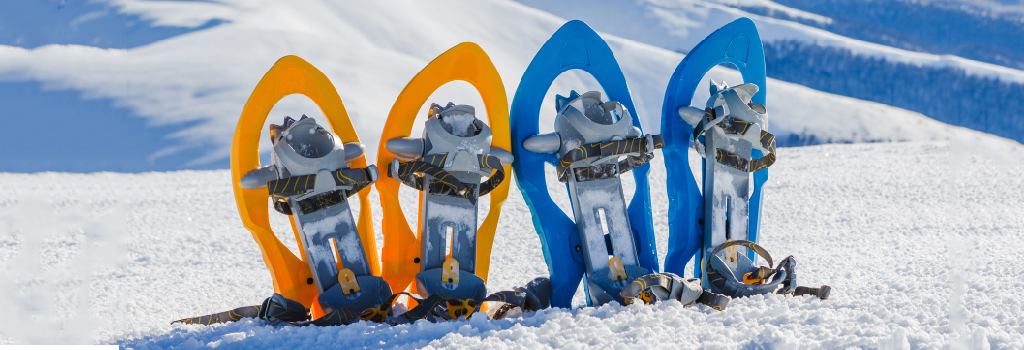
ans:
(808, 49)
(917, 242)
(198, 81)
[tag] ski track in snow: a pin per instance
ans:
(917, 254)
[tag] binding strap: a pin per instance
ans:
(274, 309)
(643, 145)
(734, 126)
(358, 178)
(664, 286)
(223, 317)
(444, 182)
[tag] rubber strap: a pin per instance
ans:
(446, 182)
(643, 145)
(358, 178)
(735, 126)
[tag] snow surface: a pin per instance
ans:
(370, 51)
(918, 240)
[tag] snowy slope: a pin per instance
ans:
(916, 241)
(900, 53)
(681, 24)
(200, 80)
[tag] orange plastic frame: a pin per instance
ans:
(466, 62)
(290, 75)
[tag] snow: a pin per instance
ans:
(915, 239)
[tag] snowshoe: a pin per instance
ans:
(590, 138)
(450, 255)
(313, 175)
(446, 166)
(610, 243)
(311, 181)
(738, 148)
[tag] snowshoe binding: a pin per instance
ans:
(737, 276)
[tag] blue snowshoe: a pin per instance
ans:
(574, 248)
(730, 133)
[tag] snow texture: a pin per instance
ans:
(917, 240)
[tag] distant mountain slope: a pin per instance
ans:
(950, 89)
(969, 29)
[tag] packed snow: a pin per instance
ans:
(916, 239)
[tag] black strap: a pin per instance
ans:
(223, 317)
(609, 149)
(446, 183)
(735, 126)
(358, 178)
(274, 308)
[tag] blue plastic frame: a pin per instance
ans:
(574, 46)
(737, 43)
